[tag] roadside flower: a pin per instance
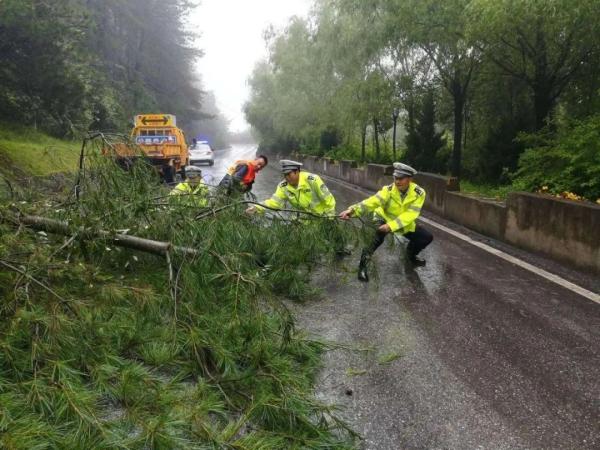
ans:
(570, 196)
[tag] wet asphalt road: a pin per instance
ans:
(469, 352)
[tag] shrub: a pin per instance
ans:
(567, 161)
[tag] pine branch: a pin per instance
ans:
(62, 300)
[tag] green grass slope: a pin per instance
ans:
(30, 152)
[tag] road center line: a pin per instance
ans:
(499, 253)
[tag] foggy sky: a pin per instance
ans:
(232, 38)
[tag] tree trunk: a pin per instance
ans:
(363, 144)
(376, 138)
(459, 105)
(394, 137)
(542, 83)
(120, 240)
(465, 124)
(543, 105)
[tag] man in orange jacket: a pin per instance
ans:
(240, 177)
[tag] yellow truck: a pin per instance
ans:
(160, 141)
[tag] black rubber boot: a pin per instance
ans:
(363, 274)
(415, 260)
(341, 254)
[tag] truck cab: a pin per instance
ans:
(156, 138)
(162, 143)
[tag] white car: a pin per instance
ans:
(201, 153)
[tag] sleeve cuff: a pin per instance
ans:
(395, 225)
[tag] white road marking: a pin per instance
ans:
(516, 261)
(499, 253)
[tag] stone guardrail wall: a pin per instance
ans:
(563, 230)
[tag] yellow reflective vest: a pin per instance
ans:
(185, 194)
(399, 211)
(311, 195)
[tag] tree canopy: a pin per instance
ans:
(484, 71)
(69, 66)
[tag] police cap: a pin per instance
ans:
(193, 170)
(403, 170)
(288, 165)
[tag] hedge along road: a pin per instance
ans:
(471, 351)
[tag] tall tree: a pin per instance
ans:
(499, 67)
(44, 79)
(546, 44)
(438, 30)
(423, 140)
(74, 65)
(148, 54)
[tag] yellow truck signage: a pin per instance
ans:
(155, 120)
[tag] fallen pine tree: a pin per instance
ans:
(105, 345)
(119, 239)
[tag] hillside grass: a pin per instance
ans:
(32, 152)
(486, 190)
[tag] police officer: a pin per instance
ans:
(192, 192)
(302, 190)
(396, 208)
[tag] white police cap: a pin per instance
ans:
(287, 165)
(403, 170)
(193, 169)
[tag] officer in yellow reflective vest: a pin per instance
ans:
(396, 208)
(303, 191)
(192, 192)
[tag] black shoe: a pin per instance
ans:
(341, 254)
(363, 275)
(415, 260)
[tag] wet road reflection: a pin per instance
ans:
(482, 354)
(467, 352)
